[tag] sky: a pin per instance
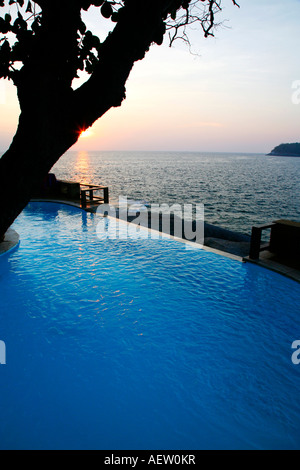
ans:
(236, 92)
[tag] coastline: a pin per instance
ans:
(282, 155)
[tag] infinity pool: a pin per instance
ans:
(141, 344)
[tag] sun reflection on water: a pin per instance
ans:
(82, 167)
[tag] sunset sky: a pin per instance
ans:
(234, 95)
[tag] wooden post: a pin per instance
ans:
(106, 196)
(83, 198)
(255, 246)
(255, 243)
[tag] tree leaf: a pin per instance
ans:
(36, 25)
(115, 16)
(5, 49)
(106, 10)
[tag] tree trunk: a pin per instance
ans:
(34, 150)
(52, 114)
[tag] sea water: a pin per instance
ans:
(238, 190)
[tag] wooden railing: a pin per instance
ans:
(72, 191)
(284, 240)
(88, 197)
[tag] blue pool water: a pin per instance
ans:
(141, 344)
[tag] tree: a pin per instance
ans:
(43, 45)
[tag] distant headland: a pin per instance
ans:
(286, 150)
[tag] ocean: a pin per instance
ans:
(238, 190)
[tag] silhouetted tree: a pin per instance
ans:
(43, 45)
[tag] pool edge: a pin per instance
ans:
(10, 243)
(285, 271)
(293, 274)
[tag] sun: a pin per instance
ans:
(87, 133)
